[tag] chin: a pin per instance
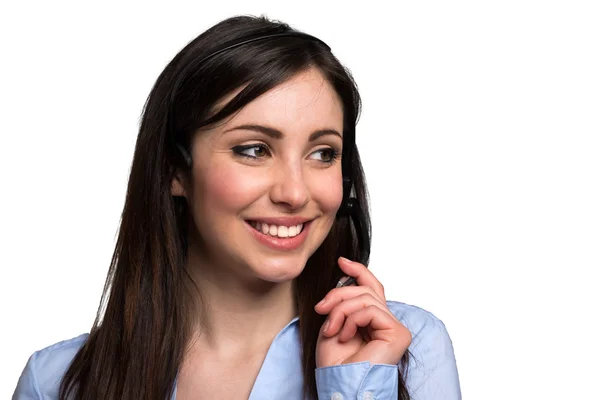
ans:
(278, 269)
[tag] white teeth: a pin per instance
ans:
(278, 230)
(282, 231)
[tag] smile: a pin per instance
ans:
(280, 234)
(277, 230)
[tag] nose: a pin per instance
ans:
(290, 188)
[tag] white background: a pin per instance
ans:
(480, 136)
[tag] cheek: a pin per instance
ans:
(327, 190)
(224, 187)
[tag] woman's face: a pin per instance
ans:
(266, 185)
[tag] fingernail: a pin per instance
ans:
(326, 325)
(322, 302)
(345, 259)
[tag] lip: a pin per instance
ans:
(277, 243)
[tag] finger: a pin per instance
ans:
(380, 323)
(363, 276)
(339, 313)
(338, 295)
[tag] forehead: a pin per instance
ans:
(305, 102)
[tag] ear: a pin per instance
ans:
(178, 184)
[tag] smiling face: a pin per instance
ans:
(265, 186)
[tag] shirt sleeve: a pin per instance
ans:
(432, 372)
(27, 388)
(357, 381)
(431, 375)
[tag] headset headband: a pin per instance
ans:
(248, 39)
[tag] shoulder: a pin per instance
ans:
(45, 369)
(429, 334)
(432, 371)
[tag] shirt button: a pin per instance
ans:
(367, 396)
(337, 396)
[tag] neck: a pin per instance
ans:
(237, 314)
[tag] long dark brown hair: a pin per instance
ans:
(142, 328)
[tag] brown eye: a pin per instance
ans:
(251, 151)
(260, 151)
(326, 155)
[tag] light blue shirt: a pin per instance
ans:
(432, 372)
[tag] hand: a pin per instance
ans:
(359, 327)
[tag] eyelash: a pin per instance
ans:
(239, 151)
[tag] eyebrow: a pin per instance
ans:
(277, 134)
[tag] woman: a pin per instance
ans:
(246, 193)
